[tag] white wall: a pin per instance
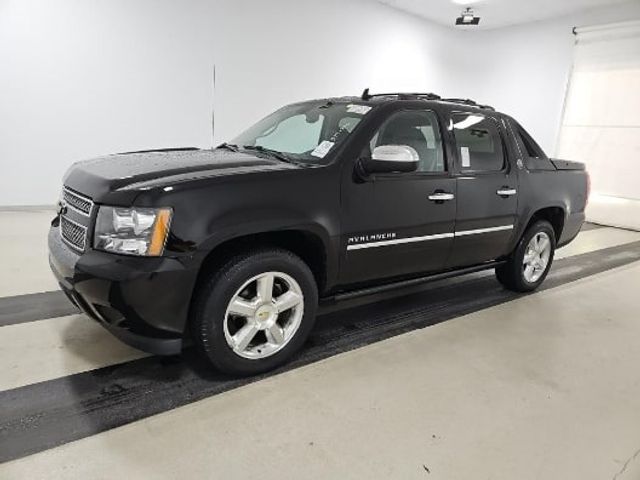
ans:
(80, 78)
(523, 70)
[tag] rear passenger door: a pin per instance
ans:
(487, 189)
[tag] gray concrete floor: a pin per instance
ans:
(546, 386)
(23, 251)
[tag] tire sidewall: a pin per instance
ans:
(215, 298)
(540, 226)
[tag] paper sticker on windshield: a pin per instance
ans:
(465, 157)
(359, 109)
(322, 149)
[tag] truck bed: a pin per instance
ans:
(567, 165)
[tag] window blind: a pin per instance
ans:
(601, 121)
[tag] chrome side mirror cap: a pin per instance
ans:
(392, 158)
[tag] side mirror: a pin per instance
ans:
(391, 158)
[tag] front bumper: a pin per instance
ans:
(142, 301)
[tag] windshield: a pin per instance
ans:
(304, 132)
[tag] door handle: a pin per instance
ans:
(441, 196)
(506, 192)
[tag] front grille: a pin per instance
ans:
(76, 201)
(73, 233)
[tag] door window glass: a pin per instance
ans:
(478, 142)
(417, 129)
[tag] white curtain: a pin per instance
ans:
(601, 122)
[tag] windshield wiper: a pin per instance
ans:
(274, 153)
(228, 146)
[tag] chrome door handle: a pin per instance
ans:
(441, 197)
(507, 192)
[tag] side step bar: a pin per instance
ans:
(410, 283)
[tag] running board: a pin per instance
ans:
(410, 283)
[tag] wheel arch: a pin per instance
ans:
(309, 245)
(555, 215)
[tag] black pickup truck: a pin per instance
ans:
(232, 248)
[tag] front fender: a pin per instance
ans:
(321, 233)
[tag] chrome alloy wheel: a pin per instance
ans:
(263, 315)
(536, 257)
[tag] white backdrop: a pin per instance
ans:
(601, 124)
(80, 78)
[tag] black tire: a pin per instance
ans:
(511, 274)
(219, 287)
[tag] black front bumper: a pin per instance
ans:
(142, 301)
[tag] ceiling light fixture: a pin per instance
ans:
(467, 18)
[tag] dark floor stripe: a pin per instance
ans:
(34, 306)
(44, 415)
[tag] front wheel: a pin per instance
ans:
(529, 264)
(255, 312)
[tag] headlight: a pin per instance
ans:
(133, 231)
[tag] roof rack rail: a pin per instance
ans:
(467, 101)
(401, 95)
(425, 96)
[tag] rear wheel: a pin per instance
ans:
(529, 264)
(255, 312)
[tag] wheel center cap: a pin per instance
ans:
(266, 316)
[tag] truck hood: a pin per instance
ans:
(149, 169)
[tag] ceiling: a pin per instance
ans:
(496, 13)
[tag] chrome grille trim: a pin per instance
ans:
(73, 234)
(75, 201)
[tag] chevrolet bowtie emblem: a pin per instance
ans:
(62, 208)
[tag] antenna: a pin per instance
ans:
(213, 109)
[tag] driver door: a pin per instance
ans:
(399, 224)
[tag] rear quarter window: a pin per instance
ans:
(533, 156)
